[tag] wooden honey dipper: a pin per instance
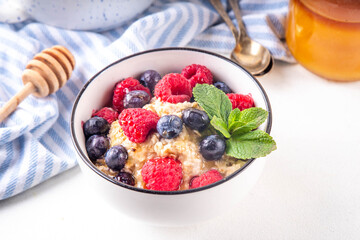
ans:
(44, 74)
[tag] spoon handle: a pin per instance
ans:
(236, 8)
(220, 9)
(11, 105)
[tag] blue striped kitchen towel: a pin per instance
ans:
(35, 140)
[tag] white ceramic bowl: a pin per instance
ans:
(167, 208)
(70, 14)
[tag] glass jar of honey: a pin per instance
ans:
(324, 36)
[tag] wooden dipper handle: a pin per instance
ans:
(44, 74)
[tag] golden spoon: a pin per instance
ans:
(44, 74)
(248, 53)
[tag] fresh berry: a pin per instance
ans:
(241, 101)
(122, 88)
(95, 125)
(196, 73)
(169, 126)
(136, 99)
(150, 78)
(173, 88)
(108, 113)
(96, 146)
(204, 179)
(126, 178)
(116, 157)
(212, 147)
(137, 123)
(162, 174)
(195, 119)
(223, 87)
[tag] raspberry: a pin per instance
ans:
(173, 88)
(196, 73)
(122, 88)
(137, 123)
(108, 113)
(204, 179)
(241, 101)
(162, 174)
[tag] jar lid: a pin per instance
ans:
(338, 10)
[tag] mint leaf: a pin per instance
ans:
(247, 120)
(234, 117)
(221, 126)
(213, 101)
(250, 145)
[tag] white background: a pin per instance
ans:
(310, 187)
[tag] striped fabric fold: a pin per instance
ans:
(35, 140)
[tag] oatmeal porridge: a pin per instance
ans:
(175, 132)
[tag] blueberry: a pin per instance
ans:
(96, 125)
(149, 79)
(136, 99)
(169, 126)
(195, 119)
(223, 87)
(212, 147)
(116, 157)
(126, 178)
(96, 146)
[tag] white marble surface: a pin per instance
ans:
(309, 188)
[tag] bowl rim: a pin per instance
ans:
(87, 161)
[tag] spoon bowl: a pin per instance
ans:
(253, 57)
(248, 53)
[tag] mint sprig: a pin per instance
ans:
(242, 141)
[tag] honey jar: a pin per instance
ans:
(324, 36)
